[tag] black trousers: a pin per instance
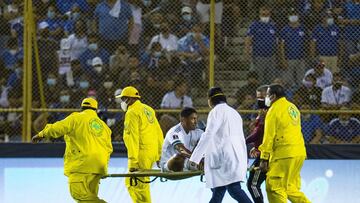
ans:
(256, 178)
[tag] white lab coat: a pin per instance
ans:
(224, 147)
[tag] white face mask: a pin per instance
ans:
(98, 69)
(267, 101)
(293, 18)
(124, 105)
(265, 19)
(330, 21)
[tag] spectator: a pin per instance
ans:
(114, 20)
(172, 12)
(64, 101)
(248, 89)
(118, 61)
(152, 26)
(323, 75)
(152, 58)
(15, 78)
(262, 35)
(192, 50)
(292, 50)
(13, 120)
(132, 68)
(72, 77)
(52, 89)
(312, 126)
(4, 89)
(12, 54)
(47, 50)
(72, 16)
(308, 93)
(177, 99)
(93, 50)
(84, 86)
(336, 95)
(4, 31)
(279, 11)
(65, 5)
(325, 42)
(64, 56)
(344, 129)
(98, 71)
(188, 20)
(313, 14)
(203, 9)
(136, 28)
(55, 24)
(167, 40)
(78, 40)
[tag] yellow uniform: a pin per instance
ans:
(87, 153)
(283, 145)
(143, 139)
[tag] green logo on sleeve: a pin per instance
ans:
(149, 115)
(294, 114)
(96, 127)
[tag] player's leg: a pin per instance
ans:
(141, 192)
(84, 187)
(294, 184)
(217, 194)
(256, 178)
(276, 181)
(237, 193)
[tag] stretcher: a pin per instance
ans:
(156, 173)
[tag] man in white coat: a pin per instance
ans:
(223, 145)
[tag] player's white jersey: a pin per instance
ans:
(178, 135)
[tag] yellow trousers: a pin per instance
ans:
(141, 192)
(283, 181)
(84, 187)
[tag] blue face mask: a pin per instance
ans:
(84, 84)
(146, 3)
(75, 15)
(51, 81)
(157, 54)
(93, 47)
(65, 98)
(187, 17)
(50, 14)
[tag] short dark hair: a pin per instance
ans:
(262, 88)
(216, 95)
(186, 112)
(277, 90)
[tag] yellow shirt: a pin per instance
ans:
(88, 142)
(142, 134)
(282, 135)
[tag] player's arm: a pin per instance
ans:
(56, 130)
(182, 150)
(131, 131)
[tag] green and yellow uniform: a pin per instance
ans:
(283, 145)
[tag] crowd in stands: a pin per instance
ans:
(94, 47)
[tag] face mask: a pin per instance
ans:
(51, 81)
(261, 104)
(124, 105)
(75, 15)
(64, 98)
(146, 3)
(293, 19)
(108, 85)
(157, 54)
(267, 101)
(18, 71)
(98, 69)
(93, 47)
(265, 19)
(330, 21)
(13, 51)
(344, 123)
(156, 25)
(84, 84)
(187, 17)
(50, 14)
(307, 84)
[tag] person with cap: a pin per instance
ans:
(223, 145)
(143, 139)
(88, 149)
(282, 150)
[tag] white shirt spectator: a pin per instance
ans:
(168, 44)
(340, 96)
(64, 57)
(324, 80)
(177, 135)
(170, 101)
(77, 46)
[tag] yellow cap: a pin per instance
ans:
(89, 102)
(129, 91)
